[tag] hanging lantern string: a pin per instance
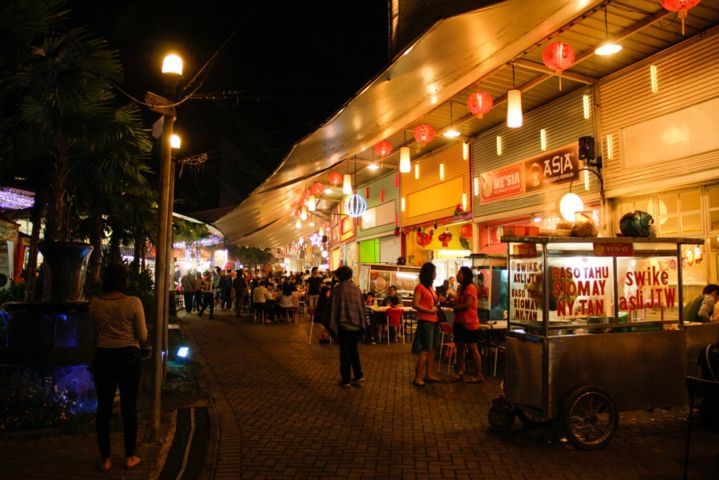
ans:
(513, 84)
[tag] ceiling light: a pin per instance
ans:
(608, 47)
(404, 160)
(451, 133)
(373, 167)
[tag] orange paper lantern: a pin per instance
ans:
(480, 103)
(558, 56)
(318, 189)
(680, 6)
(383, 148)
(335, 178)
(465, 231)
(424, 133)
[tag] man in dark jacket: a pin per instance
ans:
(239, 285)
(348, 320)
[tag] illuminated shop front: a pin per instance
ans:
(660, 145)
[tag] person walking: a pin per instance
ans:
(226, 285)
(314, 282)
(347, 321)
(239, 285)
(188, 290)
(120, 332)
(197, 288)
(207, 297)
(466, 327)
(426, 339)
(217, 277)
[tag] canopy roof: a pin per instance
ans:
(456, 56)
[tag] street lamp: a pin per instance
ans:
(172, 73)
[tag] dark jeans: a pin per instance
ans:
(188, 301)
(349, 355)
(113, 367)
(226, 298)
(198, 300)
(208, 301)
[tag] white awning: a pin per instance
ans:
(451, 55)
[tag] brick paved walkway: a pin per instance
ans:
(282, 415)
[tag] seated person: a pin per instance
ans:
(701, 309)
(392, 297)
(286, 303)
(394, 316)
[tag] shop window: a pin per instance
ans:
(713, 205)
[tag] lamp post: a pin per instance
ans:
(172, 72)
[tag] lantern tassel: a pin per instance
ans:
(683, 15)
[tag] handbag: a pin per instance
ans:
(441, 316)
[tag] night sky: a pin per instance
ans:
(295, 62)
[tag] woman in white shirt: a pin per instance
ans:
(119, 322)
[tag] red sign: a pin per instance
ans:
(524, 250)
(501, 183)
(556, 167)
(613, 249)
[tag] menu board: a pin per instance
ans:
(581, 287)
(648, 288)
(526, 285)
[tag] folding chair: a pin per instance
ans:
(446, 333)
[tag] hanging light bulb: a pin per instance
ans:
(303, 214)
(609, 47)
(311, 203)
(451, 132)
(404, 160)
(514, 105)
(298, 224)
(321, 232)
(570, 204)
(347, 184)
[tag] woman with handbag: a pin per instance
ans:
(120, 329)
(425, 302)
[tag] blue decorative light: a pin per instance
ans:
(355, 205)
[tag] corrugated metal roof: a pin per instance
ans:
(446, 64)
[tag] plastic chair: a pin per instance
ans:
(697, 388)
(394, 320)
(446, 333)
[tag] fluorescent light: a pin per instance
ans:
(610, 147)
(465, 150)
(586, 107)
(451, 133)
(441, 171)
(499, 145)
(464, 202)
(476, 186)
(416, 171)
(543, 139)
(653, 77)
(608, 48)
(403, 204)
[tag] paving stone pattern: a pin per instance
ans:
(282, 415)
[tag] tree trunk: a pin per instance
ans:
(36, 219)
(96, 238)
(56, 222)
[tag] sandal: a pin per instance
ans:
(456, 378)
(418, 384)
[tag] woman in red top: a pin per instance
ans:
(466, 326)
(426, 341)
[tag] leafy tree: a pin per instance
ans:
(251, 257)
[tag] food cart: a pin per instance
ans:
(596, 327)
(378, 277)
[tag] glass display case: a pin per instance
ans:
(378, 278)
(600, 285)
(493, 269)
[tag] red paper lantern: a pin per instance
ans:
(424, 133)
(681, 6)
(445, 238)
(335, 178)
(480, 103)
(318, 189)
(383, 148)
(465, 231)
(558, 56)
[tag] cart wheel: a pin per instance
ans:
(589, 417)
